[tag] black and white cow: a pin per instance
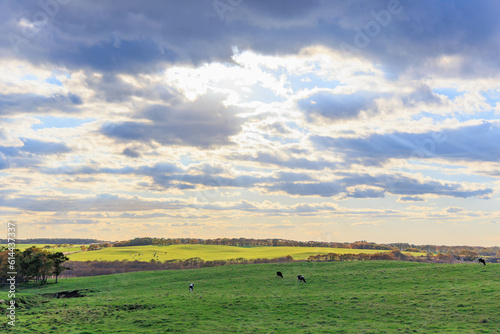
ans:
(301, 278)
(191, 287)
(481, 260)
(279, 274)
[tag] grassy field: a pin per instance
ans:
(339, 297)
(207, 252)
(52, 249)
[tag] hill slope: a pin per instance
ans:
(209, 252)
(344, 297)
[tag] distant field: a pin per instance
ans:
(206, 252)
(54, 249)
(339, 297)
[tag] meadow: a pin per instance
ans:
(205, 252)
(339, 297)
(54, 248)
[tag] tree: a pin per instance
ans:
(468, 255)
(57, 260)
(35, 263)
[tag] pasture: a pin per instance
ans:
(207, 252)
(53, 248)
(339, 297)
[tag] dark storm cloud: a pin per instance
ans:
(467, 143)
(128, 35)
(203, 123)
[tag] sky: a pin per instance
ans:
(316, 120)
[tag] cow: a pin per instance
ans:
(191, 287)
(279, 274)
(481, 260)
(301, 278)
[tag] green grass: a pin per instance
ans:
(339, 297)
(207, 252)
(22, 247)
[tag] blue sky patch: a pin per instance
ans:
(60, 122)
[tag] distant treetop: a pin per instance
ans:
(54, 241)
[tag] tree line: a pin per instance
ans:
(245, 242)
(363, 244)
(32, 264)
(54, 241)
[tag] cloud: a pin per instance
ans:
(204, 123)
(107, 55)
(69, 222)
(280, 226)
(26, 155)
(353, 185)
(363, 192)
(101, 202)
(373, 223)
(34, 103)
(131, 153)
(201, 113)
(323, 189)
(274, 158)
(411, 199)
(466, 143)
(400, 184)
(136, 35)
(374, 186)
(454, 210)
(43, 148)
(421, 94)
(172, 175)
(4, 163)
(337, 107)
(113, 88)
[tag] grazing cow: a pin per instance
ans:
(191, 287)
(301, 278)
(481, 260)
(279, 274)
